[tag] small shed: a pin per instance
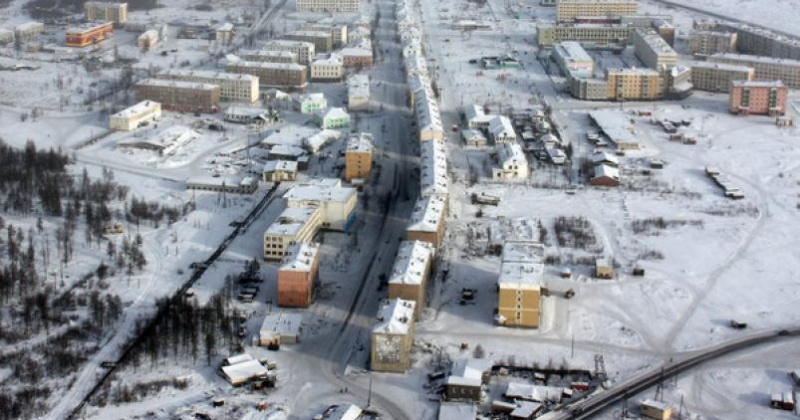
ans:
(656, 410)
(603, 269)
(605, 176)
(280, 328)
(241, 373)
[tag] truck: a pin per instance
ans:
(484, 198)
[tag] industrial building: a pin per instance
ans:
(712, 42)
(654, 52)
(427, 220)
(393, 336)
(232, 86)
(336, 202)
(766, 68)
(520, 283)
(758, 97)
(286, 75)
(298, 274)
(322, 40)
(177, 95)
(567, 10)
(88, 33)
(294, 225)
(99, 10)
(717, 77)
(131, 118)
(410, 272)
(358, 157)
(305, 50)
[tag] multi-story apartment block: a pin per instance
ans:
(570, 9)
(98, 10)
(392, 336)
(358, 157)
(427, 220)
(179, 95)
(654, 52)
(519, 284)
(633, 84)
(359, 56)
(88, 33)
(322, 40)
(583, 86)
(593, 34)
(758, 97)
(293, 226)
(358, 92)
(712, 42)
(766, 68)
(332, 6)
(265, 56)
(338, 32)
(131, 118)
(286, 75)
(233, 86)
(433, 169)
(337, 202)
(298, 274)
(305, 50)
(327, 68)
(570, 55)
(410, 273)
(717, 77)
(760, 41)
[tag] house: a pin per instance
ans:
(556, 155)
(473, 138)
(244, 372)
(392, 337)
(656, 410)
(526, 410)
(280, 170)
(603, 269)
(529, 392)
(147, 40)
(605, 176)
(501, 130)
(316, 142)
(476, 118)
(336, 202)
(333, 118)
(466, 379)
(280, 328)
(410, 273)
(455, 411)
(246, 115)
(512, 162)
(519, 284)
(309, 103)
(298, 274)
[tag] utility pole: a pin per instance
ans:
(369, 393)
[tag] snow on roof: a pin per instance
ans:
(167, 140)
(319, 140)
(206, 74)
(344, 412)
(744, 58)
(136, 109)
(525, 409)
(428, 214)
(332, 59)
(471, 367)
(268, 54)
(280, 165)
(149, 34)
(225, 27)
(228, 181)
(511, 154)
(416, 64)
(758, 83)
(239, 358)
(601, 157)
(290, 134)
(177, 84)
(721, 66)
(300, 256)
(476, 113)
(359, 51)
(412, 262)
(244, 371)
(358, 85)
(472, 135)
(394, 317)
(450, 411)
(656, 43)
(615, 125)
(433, 167)
(324, 190)
(268, 65)
(606, 171)
(522, 265)
(462, 381)
(530, 392)
(29, 26)
(334, 112)
(361, 142)
(428, 117)
(287, 150)
(500, 126)
(291, 221)
(310, 34)
(286, 43)
(659, 405)
(281, 324)
(312, 97)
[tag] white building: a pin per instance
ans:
(131, 118)
(358, 92)
(317, 141)
(243, 372)
(501, 130)
(654, 52)
(512, 162)
(280, 328)
(337, 203)
(570, 55)
(328, 68)
(232, 86)
(294, 225)
(393, 336)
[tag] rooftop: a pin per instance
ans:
(291, 221)
(321, 190)
(177, 84)
(758, 83)
(358, 85)
(244, 371)
(394, 317)
(457, 411)
(281, 323)
(721, 66)
(412, 262)
(300, 257)
(280, 165)
(361, 142)
(522, 265)
(206, 74)
(744, 58)
(288, 43)
(136, 109)
(433, 167)
(428, 214)
(268, 65)
(572, 51)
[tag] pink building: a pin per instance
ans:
(297, 275)
(758, 97)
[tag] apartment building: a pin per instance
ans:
(28, 31)
(131, 118)
(758, 97)
(567, 10)
(409, 275)
(327, 69)
(266, 56)
(180, 96)
(336, 202)
(633, 84)
(233, 87)
(766, 68)
(359, 56)
(393, 336)
(294, 225)
(298, 274)
(329, 6)
(322, 40)
(760, 41)
(358, 157)
(147, 40)
(654, 52)
(583, 86)
(570, 55)
(427, 220)
(590, 34)
(717, 77)
(520, 283)
(712, 42)
(98, 10)
(305, 50)
(286, 75)
(88, 33)
(358, 92)
(433, 169)
(338, 32)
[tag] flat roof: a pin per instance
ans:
(207, 74)
(288, 43)
(281, 323)
(615, 125)
(269, 53)
(310, 34)
(136, 109)
(759, 83)
(321, 191)
(291, 221)
(394, 317)
(280, 165)
(744, 58)
(177, 84)
(268, 65)
(412, 262)
(457, 411)
(721, 66)
(300, 257)
(572, 51)
(361, 142)
(244, 371)
(358, 85)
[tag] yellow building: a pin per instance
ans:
(571, 9)
(234, 87)
(519, 286)
(99, 10)
(358, 157)
(130, 118)
(410, 273)
(293, 226)
(633, 84)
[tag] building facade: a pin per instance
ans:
(305, 50)
(766, 68)
(712, 42)
(758, 97)
(131, 118)
(309, 103)
(567, 10)
(28, 31)
(322, 40)
(293, 226)
(392, 337)
(327, 69)
(233, 87)
(570, 55)
(148, 40)
(180, 96)
(410, 273)
(358, 157)
(336, 202)
(654, 52)
(266, 56)
(298, 274)
(98, 10)
(589, 33)
(88, 33)
(519, 284)
(633, 84)
(286, 75)
(358, 92)
(339, 32)
(332, 6)
(716, 77)
(760, 41)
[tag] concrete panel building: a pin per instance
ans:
(761, 41)
(654, 52)
(322, 40)
(285, 75)
(712, 42)
(359, 56)
(758, 97)
(766, 68)
(294, 225)
(332, 6)
(177, 95)
(298, 274)
(358, 92)
(567, 10)
(428, 220)
(98, 10)
(305, 50)
(716, 77)
(589, 33)
(410, 273)
(131, 118)
(570, 55)
(336, 202)
(392, 336)
(519, 284)
(358, 157)
(339, 32)
(269, 56)
(633, 84)
(583, 86)
(233, 87)
(433, 169)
